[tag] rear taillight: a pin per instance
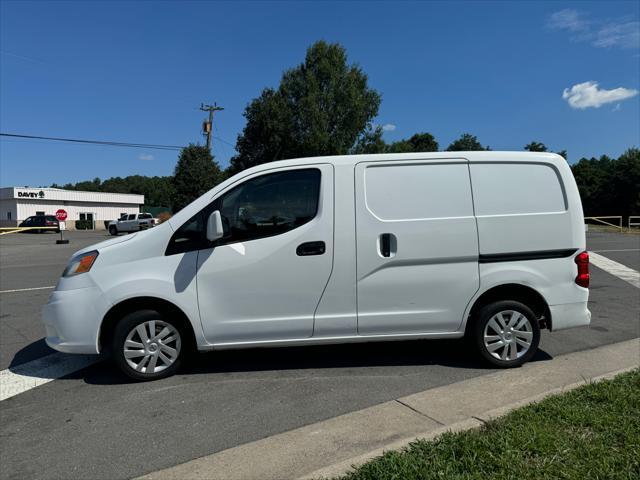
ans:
(582, 260)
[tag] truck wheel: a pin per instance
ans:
(113, 230)
(506, 333)
(147, 346)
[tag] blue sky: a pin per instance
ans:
(137, 72)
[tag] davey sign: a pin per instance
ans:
(24, 194)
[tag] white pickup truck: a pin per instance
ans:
(132, 222)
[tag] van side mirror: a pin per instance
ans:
(214, 226)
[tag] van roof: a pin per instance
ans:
(476, 156)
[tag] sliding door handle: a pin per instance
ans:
(311, 248)
(385, 244)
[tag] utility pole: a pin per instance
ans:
(207, 126)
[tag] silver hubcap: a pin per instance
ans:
(152, 346)
(508, 335)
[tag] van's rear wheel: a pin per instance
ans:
(147, 346)
(113, 230)
(506, 333)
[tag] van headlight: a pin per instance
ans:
(80, 264)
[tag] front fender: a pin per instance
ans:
(169, 278)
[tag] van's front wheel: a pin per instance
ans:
(506, 333)
(147, 346)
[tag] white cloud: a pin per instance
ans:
(616, 108)
(623, 35)
(588, 94)
(621, 32)
(145, 156)
(568, 19)
(388, 127)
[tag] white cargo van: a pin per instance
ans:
(490, 245)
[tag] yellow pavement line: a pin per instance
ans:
(8, 230)
(26, 289)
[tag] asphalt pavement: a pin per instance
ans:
(624, 249)
(31, 261)
(96, 424)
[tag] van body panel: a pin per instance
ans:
(570, 315)
(431, 271)
(141, 270)
(522, 207)
(525, 233)
(263, 289)
(336, 313)
(411, 242)
(334, 340)
(554, 279)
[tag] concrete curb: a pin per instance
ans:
(333, 446)
(468, 424)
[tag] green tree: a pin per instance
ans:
(94, 185)
(370, 141)
(420, 142)
(536, 147)
(609, 186)
(321, 107)
(157, 191)
(625, 179)
(541, 147)
(401, 146)
(592, 176)
(423, 142)
(466, 143)
(195, 174)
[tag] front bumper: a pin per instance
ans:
(569, 315)
(72, 320)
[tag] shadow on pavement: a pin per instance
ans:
(33, 351)
(447, 353)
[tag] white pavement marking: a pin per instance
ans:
(40, 371)
(614, 268)
(619, 250)
(26, 289)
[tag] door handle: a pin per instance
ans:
(388, 244)
(310, 248)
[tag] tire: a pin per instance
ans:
(142, 353)
(507, 324)
(113, 230)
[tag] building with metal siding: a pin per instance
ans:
(18, 203)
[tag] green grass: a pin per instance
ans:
(592, 432)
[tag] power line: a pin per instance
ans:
(96, 142)
(224, 141)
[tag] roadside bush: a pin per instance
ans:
(84, 225)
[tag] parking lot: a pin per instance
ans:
(95, 423)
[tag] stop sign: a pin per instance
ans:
(61, 215)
